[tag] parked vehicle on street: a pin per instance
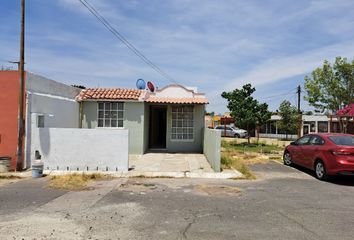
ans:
(327, 154)
(231, 131)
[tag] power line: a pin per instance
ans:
(129, 45)
(279, 95)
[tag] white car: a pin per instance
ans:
(232, 131)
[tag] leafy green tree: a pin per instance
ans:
(247, 111)
(330, 86)
(289, 118)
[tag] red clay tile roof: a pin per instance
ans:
(109, 94)
(153, 99)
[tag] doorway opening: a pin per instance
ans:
(158, 127)
(306, 129)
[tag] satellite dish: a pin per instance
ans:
(151, 86)
(140, 83)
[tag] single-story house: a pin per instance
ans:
(171, 119)
(97, 128)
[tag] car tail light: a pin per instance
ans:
(338, 152)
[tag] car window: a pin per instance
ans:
(342, 140)
(303, 141)
(316, 140)
(219, 127)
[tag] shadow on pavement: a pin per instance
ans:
(338, 179)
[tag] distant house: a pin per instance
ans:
(171, 119)
(310, 124)
(213, 121)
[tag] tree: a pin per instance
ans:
(247, 111)
(308, 113)
(210, 113)
(330, 86)
(289, 118)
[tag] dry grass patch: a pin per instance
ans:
(76, 181)
(240, 155)
(9, 177)
(229, 161)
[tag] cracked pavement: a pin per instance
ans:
(283, 203)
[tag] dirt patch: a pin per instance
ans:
(143, 176)
(218, 190)
(8, 179)
(137, 187)
(76, 182)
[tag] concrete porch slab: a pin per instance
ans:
(169, 162)
(176, 165)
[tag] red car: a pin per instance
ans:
(326, 154)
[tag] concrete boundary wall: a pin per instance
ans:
(278, 136)
(69, 149)
(212, 147)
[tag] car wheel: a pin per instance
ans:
(320, 170)
(287, 159)
(236, 135)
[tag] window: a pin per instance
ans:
(303, 141)
(342, 140)
(322, 127)
(182, 123)
(110, 114)
(312, 125)
(316, 140)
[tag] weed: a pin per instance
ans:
(9, 177)
(75, 181)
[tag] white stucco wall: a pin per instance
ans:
(176, 91)
(82, 149)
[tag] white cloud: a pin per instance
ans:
(275, 69)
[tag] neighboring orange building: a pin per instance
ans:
(9, 99)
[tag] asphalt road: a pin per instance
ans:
(284, 203)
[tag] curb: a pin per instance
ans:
(211, 175)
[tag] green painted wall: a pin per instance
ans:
(89, 114)
(212, 147)
(196, 145)
(136, 120)
(146, 126)
(133, 121)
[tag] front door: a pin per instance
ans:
(158, 126)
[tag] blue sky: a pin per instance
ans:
(214, 45)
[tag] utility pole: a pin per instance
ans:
(21, 120)
(298, 91)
